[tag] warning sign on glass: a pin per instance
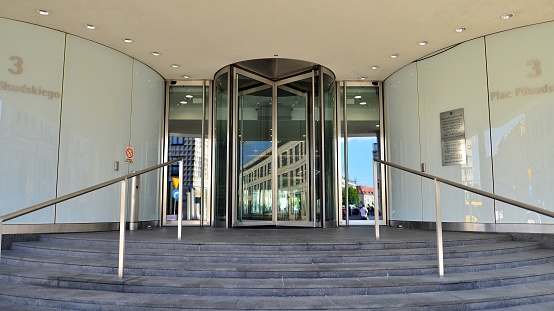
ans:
(453, 142)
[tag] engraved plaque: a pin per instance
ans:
(453, 142)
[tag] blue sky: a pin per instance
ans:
(360, 162)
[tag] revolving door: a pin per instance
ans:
(274, 147)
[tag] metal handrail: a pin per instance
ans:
(123, 180)
(464, 187)
(438, 180)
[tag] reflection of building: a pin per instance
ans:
(292, 182)
(365, 195)
(190, 149)
(351, 182)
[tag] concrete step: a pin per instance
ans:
(357, 243)
(276, 287)
(272, 257)
(307, 270)
(474, 299)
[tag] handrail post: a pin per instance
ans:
(376, 200)
(180, 202)
(439, 228)
(122, 227)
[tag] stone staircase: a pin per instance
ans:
(79, 272)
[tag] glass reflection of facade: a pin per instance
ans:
(270, 138)
(261, 148)
(188, 133)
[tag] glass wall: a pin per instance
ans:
(359, 144)
(293, 98)
(255, 152)
(220, 151)
(278, 164)
(329, 147)
(187, 105)
(68, 110)
(502, 83)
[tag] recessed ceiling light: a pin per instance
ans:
(461, 29)
(374, 67)
(363, 103)
(377, 125)
(183, 102)
(156, 53)
(186, 77)
(188, 96)
(423, 43)
(395, 55)
(507, 16)
(127, 40)
(90, 26)
(362, 78)
(175, 65)
(43, 12)
(357, 97)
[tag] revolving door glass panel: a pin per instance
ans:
(254, 156)
(292, 153)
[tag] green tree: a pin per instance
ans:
(352, 196)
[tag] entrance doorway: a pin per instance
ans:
(277, 172)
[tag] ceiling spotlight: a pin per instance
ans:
(156, 53)
(362, 78)
(374, 67)
(127, 40)
(183, 102)
(90, 26)
(395, 55)
(188, 96)
(186, 77)
(357, 97)
(423, 43)
(461, 29)
(43, 12)
(175, 65)
(377, 125)
(363, 103)
(507, 16)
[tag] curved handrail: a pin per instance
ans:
(478, 191)
(72, 195)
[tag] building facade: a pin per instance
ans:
(263, 150)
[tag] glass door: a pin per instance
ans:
(254, 155)
(293, 150)
(187, 138)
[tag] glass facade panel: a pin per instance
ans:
(220, 151)
(292, 101)
(362, 132)
(186, 116)
(254, 130)
(329, 147)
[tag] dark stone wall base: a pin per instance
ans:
(8, 239)
(546, 240)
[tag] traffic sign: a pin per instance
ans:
(175, 194)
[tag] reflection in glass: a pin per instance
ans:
(292, 181)
(362, 132)
(329, 147)
(185, 132)
(221, 98)
(255, 153)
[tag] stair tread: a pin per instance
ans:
(144, 301)
(501, 274)
(343, 253)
